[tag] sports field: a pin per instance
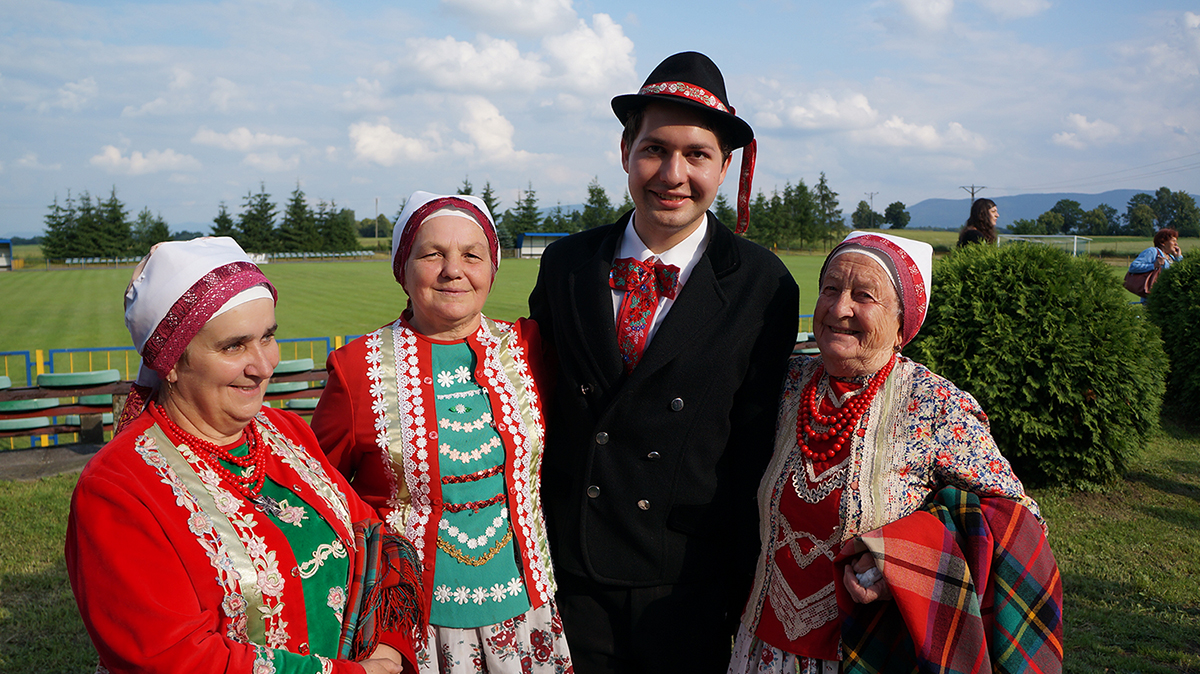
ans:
(83, 308)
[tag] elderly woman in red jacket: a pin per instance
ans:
(436, 419)
(211, 535)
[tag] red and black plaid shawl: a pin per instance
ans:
(976, 589)
(385, 591)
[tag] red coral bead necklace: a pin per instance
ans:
(842, 422)
(249, 486)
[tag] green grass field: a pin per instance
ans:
(67, 309)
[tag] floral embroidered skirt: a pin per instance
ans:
(752, 655)
(530, 642)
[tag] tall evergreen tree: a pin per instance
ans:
(89, 231)
(58, 239)
(598, 210)
(762, 220)
(524, 217)
(336, 227)
(298, 229)
(829, 216)
(223, 223)
(803, 210)
(724, 212)
(466, 188)
(256, 222)
(116, 236)
(488, 196)
(149, 229)
(626, 204)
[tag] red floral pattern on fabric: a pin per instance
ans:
(643, 283)
(686, 90)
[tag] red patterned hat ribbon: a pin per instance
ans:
(689, 91)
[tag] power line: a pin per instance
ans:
(973, 189)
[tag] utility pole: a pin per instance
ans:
(973, 189)
(871, 196)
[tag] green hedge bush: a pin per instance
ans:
(1069, 374)
(1174, 306)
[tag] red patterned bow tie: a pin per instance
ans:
(644, 284)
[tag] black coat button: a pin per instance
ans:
(593, 491)
(602, 438)
(654, 456)
(677, 404)
(585, 389)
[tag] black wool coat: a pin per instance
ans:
(650, 478)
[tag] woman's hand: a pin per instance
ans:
(384, 660)
(860, 594)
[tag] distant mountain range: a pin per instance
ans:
(952, 213)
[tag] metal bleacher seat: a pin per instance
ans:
(78, 379)
(290, 367)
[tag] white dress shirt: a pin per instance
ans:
(684, 255)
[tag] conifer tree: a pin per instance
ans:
(223, 223)
(115, 234)
(298, 229)
(148, 229)
(256, 222)
(58, 239)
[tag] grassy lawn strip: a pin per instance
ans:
(1129, 555)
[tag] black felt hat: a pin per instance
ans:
(693, 80)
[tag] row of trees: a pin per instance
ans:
(87, 226)
(795, 217)
(301, 229)
(1144, 214)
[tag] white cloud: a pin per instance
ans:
(490, 133)
(242, 139)
(30, 161)
(364, 96)
(187, 93)
(929, 14)
(73, 96)
(897, 133)
(1085, 133)
(521, 17)
(379, 144)
(818, 111)
(181, 79)
(1015, 9)
(592, 59)
(492, 65)
(271, 162)
(224, 93)
(112, 160)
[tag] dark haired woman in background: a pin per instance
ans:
(981, 226)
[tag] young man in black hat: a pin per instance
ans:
(671, 335)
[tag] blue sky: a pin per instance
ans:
(182, 105)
